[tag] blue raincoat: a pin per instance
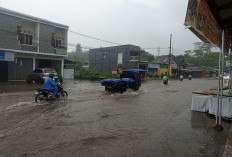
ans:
(50, 84)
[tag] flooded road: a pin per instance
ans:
(154, 121)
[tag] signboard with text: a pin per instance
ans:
(6, 56)
(2, 55)
(202, 22)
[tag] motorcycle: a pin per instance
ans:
(46, 95)
(181, 77)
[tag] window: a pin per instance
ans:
(120, 58)
(25, 38)
(58, 42)
(55, 42)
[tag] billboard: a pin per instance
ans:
(202, 22)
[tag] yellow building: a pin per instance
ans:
(159, 66)
(163, 69)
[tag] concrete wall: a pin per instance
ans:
(8, 36)
(68, 73)
(45, 38)
(20, 68)
(105, 59)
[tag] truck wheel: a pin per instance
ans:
(136, 87)
(122, 89)
(108, 88)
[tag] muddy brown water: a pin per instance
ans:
(155, 121)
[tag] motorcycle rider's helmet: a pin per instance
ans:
(51, 75)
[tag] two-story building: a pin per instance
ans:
(28, 42)
(107, 59)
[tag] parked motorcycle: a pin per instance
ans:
(45, 95)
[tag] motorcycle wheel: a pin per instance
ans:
(64, 95)
(39, 97)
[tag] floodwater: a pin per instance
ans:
(154, 121)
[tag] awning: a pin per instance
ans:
(211, 20)
(207, 18)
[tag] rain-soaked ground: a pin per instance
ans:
(154, 121)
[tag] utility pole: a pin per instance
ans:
(169, 56)
(158, 50)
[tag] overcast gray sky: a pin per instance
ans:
(145, 23)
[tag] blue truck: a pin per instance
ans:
(128, 79)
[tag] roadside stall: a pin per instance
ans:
(211, 21)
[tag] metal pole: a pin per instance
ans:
(220, 85)
(169, 56)
(221, 90)
(222, 68)
(229, 83)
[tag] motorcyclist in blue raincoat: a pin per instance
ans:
(50, 84)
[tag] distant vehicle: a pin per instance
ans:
(39, 74)
(128, 79)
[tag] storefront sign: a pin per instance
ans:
(153, 66)
(202, 22)
(6, 56)
(174, 67)
(2, 55)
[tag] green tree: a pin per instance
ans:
(78, 56)
(206, 59)
(202, 55)
(78, 48)
(146, 56)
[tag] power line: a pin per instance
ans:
(77, 33)
(154, 48)
(85, 47)
(179, 50)
(95, 38)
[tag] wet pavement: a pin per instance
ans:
(154, 121)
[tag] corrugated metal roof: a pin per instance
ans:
(164, 60)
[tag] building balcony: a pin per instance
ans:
(32, 48)
(61, 50)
